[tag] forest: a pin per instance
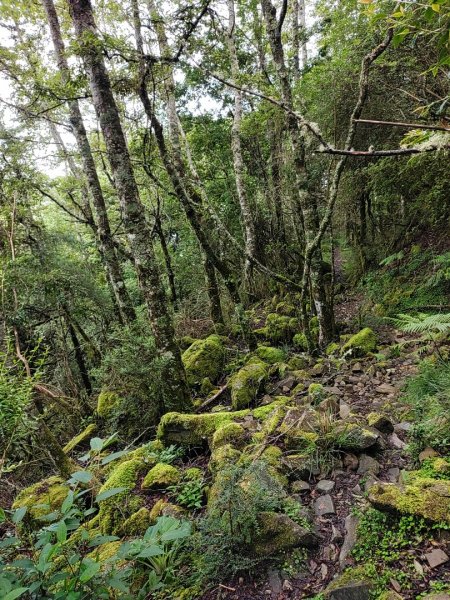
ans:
(225, 299)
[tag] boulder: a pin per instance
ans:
(107, 402)
(204, 358)
(270, 355)
(79, 439)
(360, 344)
(277, 532)
(247, 383)
(420, 496)
(160, 477)
(380, 422)
(40, 499)
(354, 437)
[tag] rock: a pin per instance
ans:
(396, 442)
(357, 368)
(275, 581)
(360, 344)
(287, 586)
(299, 466)
(247, 382)
(428, 453)
(228, 433)
(324, 506)
(385, 388)
(436, 596)
(323, 571)
(351, 527)
(418, 567)
(270, 355)
(351, 461)
(390, 595)
(161, 476)
(380, 422)
(420, 496)
(393, 474)
(204, 358)
(403, 426)
(370, 481)
(278, 532)
(298, 487)
(436, 558)
(356, 590)
(344, 410)
(329, 406)
(40, 499)
(106, 403)
(351, 436)
(325, 486)
(336, 534)
(367, 464)
(287, 382)
(81, 438)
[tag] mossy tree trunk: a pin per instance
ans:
(174, 385)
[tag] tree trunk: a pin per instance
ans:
(105, 239)
(238, 162)
(175, 390)
(167, 260)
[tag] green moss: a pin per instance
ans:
(204, 358)
(351, 575)
(161, 476)
(270, 355)
(246, 384)
(278, 532)
(280, 328)
(354, 437)
(284, 308)
(189, 429)
(207, 387)
(41, 499)
(332, 348)
(229, 433)
(137, 523)
(105, 551)
(300, 341)
(298, 363)
(314, 325)
(423, 497)
(165, 509)
(80, 438)
(272, 455)
(186, 341)
(114, 510)
(222, 457)
(193, 474)
(106, 403)
(316, 392)
(362, 343)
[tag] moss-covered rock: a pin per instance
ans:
(420, 496)
(85, 435)
(105, 551)
(284, 308)
(137, 523)
(298, 363)
(353, 584)
(204, 358)
(165, 509)
(190, 429)
(107, 402)
(380, 422)
(360, 344)
(161, 476)
(354, 437)
(40, 499)
(299, 466)
(332, 348)
(115, 509)
(270, 355)
(300, 341)
(316, 393)
(280, 328)
(229, 433)
(206, 387)
(278, 532)
(247, 383)
(223, 457)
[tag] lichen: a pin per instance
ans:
(80, 438)
(360, 344)
(160, 477)
(41, 499)
(204, 358)
(270, 355)
(106, 403)
(115, 509)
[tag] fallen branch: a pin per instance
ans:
(211, 400)
(381, 153)
(400, 124)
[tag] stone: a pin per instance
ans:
(344, 410)
(428, 453)
(351, 461)
(277, 532)
(367, 464)
(351, 436)
(287, 382)
(324, 506)
(325, 486)
(396, 442)
(385, 388)
(351, 528)
(336, 534)
(275, 581)
(299, 486)
(357, 368)
(403, 426)
(380, 422)
(436, 558)
(437, 596)
(360, 344)
(393, 474)
(356, 590)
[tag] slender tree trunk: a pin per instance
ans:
(302, 23)
(307, 201)
(167, 260)
(175, 390)
(238, 162)
(105, 239)
(79, 357)
(213, 292)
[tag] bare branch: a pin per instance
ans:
(400, 124)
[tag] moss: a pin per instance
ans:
(440, 466)
(137, 523)
(300, 341)
(161, 476)
(316, 392)
(193, 474)
(207, 387)
(362, 343)
(222, 457)
(380, 422)
(105, 551)
(354, 437)
(40, 499)
(278, 532)
(162, 508)
(270, 355)
(332, 348)
(246, 384)
(80, 438)
(204, 358)
(299, 388)
(284, 308)
(115, 509)
(186, 341)
(189, 429)
(280, 328)
(298, 466)
(297, 363)
(421, 496)
(106, 403)
(314, 325)
(229, 433)
(351, 575)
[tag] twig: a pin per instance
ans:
(400, 124)
(211, 400)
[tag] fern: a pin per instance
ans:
(424, 323)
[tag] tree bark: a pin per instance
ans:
(238, 162)
(176, 394)
(102, 227)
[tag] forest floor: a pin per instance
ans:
(362, 388)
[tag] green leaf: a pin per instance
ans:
(92, 569)
(113, 456)
(108, 493)
(98, 540)
(150, 551)
(19, 515)
(61, 532)
(15, 593)
(96, 444)
(2, 515)
(68, 502)
(81, 477)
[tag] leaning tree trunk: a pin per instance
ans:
(238, 162)
(307, 201)
(174, 386)
(105, 239)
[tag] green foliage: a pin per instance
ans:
(424, 323)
